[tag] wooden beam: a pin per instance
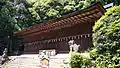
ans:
(62, 22)
(80, 20)
(92, 17)
(79, 15)
(88, 19)
(87, 13)
(96, 16)
(83, 19)
(99, 13)
(83, 14)
(92, 11)
(69, 19)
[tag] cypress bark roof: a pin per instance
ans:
(88, 15)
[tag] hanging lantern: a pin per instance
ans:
(88, 35)
(85, 36)
(72, 37)
(58, 40)
(54, 40)
(69, 37)
(81, 36)
(63, 38)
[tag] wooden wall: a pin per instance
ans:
(62, 46)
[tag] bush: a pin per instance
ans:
(78, 60)
(106, 40)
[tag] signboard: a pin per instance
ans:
(48, 52)
(44, 57)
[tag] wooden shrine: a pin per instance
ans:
(56, 33)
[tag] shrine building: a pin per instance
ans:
(56, 33)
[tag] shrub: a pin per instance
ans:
(78, 60)
(106, 40)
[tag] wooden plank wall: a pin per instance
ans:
(61, 46)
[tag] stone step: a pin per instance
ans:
(34, 62)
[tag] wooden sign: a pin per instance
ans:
(45, 56)
(51, 52)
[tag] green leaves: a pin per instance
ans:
(8, 24)
(82, 60)
(27, 13)
(49, 9)
(106, 39)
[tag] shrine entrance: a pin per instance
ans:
(56, 33)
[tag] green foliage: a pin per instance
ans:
(23, 18)
(78, 60)
(27, 13)
(44, 10)
(7, 25)
(106, 40)
(105, 2)
(115, 2)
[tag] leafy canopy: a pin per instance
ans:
(106, 39)
(44, 10)
(8, 25)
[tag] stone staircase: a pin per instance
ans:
(32, 61)
(23, 62)
(57, 61)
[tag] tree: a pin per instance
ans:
(7, 25)
(106, 39)
(44, 10)
(21, 14)
(27, 13)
